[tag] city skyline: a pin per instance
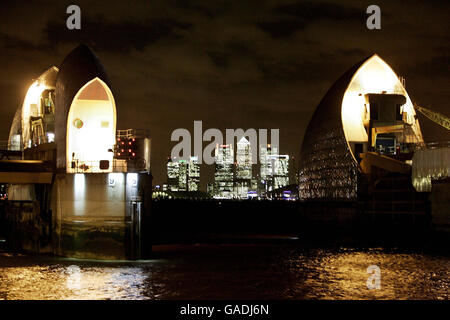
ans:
(235, 175)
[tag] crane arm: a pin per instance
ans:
(435, 116)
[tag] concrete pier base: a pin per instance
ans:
(82, 215)
(440, 205)
(99, 216)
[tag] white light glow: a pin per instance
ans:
(374, 76)
(79, 184)
(79, 194)
(30, 109)
(132, 179)
(50, 137)
(31, 106)
(91, 128)
(115, 178)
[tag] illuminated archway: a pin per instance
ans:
(37, 106)
(91, 129)
(374, 76)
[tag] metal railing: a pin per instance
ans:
(7, 146)
(437, 145)
(132, 133)
(94, 166)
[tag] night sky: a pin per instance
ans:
(232, 64)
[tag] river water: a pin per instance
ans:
(233, 271)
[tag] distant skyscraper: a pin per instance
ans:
(266, 167)
(264, 160)
(243, 168)
(280, 173)
(243, 159)
(172, 174)
(183, 175)
(274, 169)
(223, 176)
(194, 174)
(210, 188)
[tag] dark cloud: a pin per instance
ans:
(199, 7)
(7, 42)
(121, 36)
(312, 11)
(438, 66)
(282, 28)
(219, 58)
(296, 16)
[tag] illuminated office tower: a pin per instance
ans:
(266, 167)
(264, 160)
(183, 175)
(254, 184)
(280, 170)
(223, 176)
(243, 168)
(194, 174)
(243, 159)
(172, 174)
(210, 188)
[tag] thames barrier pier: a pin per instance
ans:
(78, 187)
(364, 148)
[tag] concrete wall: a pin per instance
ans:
(440, 205)
(28, 218)
(27, 227)
(92, 214)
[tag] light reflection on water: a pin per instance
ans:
(230, 272)
(61, 282)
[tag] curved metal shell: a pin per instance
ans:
(16, 129)
(327, 169)
(48, 78)
(20, 125)
(77, 69)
